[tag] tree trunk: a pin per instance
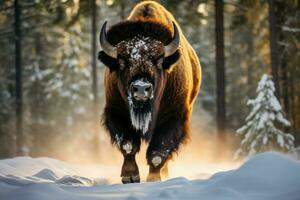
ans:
(122, 9)
(220, 78)
(293, 112)
(96, 116)
(285, 89)
(284, 71)
(220, 68)
(18, 87)
(250, 73)
(273, 46)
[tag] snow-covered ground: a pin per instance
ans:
(267, 176)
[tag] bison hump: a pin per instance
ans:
(129, 29)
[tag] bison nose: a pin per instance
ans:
(141, 91)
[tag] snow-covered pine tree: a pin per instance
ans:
(262, 130)
(69, 85)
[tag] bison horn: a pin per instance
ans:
(174, 44)
(105, 45)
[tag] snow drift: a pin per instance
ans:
(267, 176)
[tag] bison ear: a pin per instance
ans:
(170, 60)
(108, 61)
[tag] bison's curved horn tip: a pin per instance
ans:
(105, 45)
(174, 44)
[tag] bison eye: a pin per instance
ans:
(122, 63)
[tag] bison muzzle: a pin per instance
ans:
(152, 79)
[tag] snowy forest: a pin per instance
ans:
(245, 125)
(51, 96)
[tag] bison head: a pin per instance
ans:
(140, 62)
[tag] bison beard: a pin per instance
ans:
(140, 114)
(148, 47)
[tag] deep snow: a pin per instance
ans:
(267, 176)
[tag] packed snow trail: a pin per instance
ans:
(267, 176)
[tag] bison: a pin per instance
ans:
(151, 81)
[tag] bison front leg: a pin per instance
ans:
(130, 171)
(156, 172)
(163, 144)
(127, 140)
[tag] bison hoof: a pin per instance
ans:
(131, 179)
(152, 177)
(130, 172)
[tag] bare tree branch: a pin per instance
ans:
(289, 29)
(6, 8)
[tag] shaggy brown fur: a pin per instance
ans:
(177, 87)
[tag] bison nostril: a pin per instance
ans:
(148, 88)
(134, 89)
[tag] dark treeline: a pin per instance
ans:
(51, 83)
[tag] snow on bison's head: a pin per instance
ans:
(139, 53)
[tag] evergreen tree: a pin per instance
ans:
(69, 83)
(262, 130)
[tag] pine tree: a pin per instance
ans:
(69, 85)
(262, 130)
